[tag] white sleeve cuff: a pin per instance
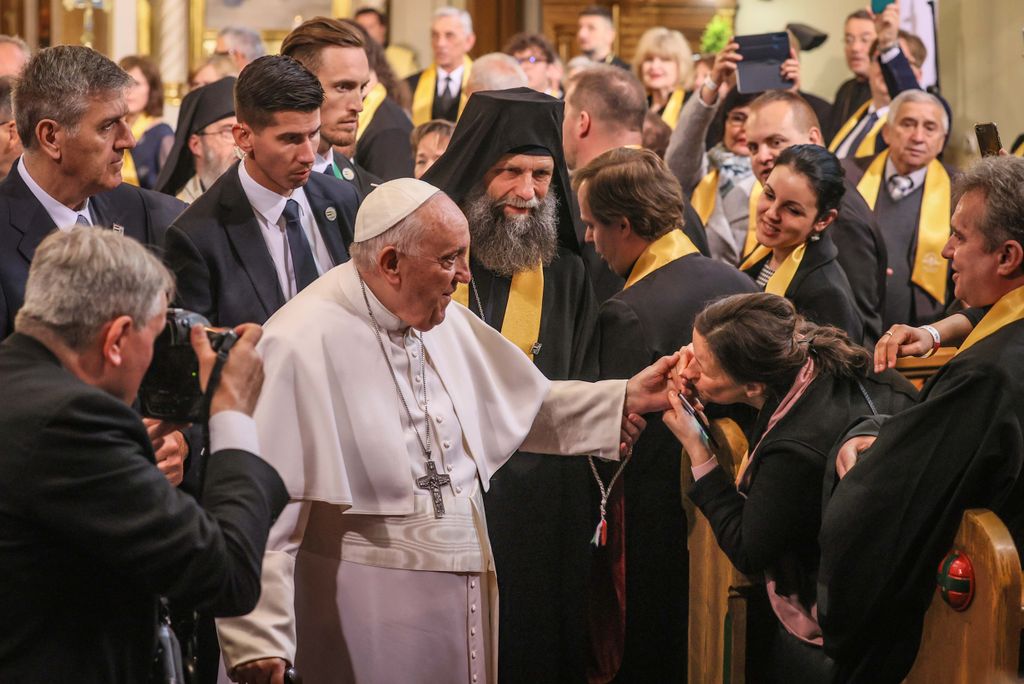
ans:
(704, 468)
(890, 54)
(233, 430)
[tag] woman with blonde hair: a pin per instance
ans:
(663, 62)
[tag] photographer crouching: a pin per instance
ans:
(91, 532)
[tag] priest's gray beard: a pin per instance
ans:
(507, 245)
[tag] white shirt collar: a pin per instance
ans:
(321, 163)
(264, 201)
(63, 216)
(916, 177)
(455, 84)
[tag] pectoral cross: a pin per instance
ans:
(433, 482)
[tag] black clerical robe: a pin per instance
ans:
(648, 320)
(538, 506)
(850, 96)
(893, 517)
(383, 148)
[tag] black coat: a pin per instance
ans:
(383, 148)
(449, 114)
(863, 258)
(363, 181)
(819, 289)
(650, 319)
(894, 516)
(92, 532)
(24, 223)
(850, 96)
(218, 254)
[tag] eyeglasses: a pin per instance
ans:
(736, 119)
(224, 133)
(532, 59)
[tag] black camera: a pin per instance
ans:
(170, 389)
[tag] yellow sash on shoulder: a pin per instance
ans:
(129, 174)
(670, 114)
(1008, 309)
(930, 268)
(1019, 152)
(783, 276)
(371, 102)
(866, 148)
(671, 246)
(521, 325)
(423, 98)
(755, 194)
(705, 195)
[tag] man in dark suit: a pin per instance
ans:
(270, 225)
(667, 283)
(858, 34)
(780, 119)
(595, 35)
(437, 91)
(92, 533)
(70, 105)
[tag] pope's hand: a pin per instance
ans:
(632, 426)
(645, 391)
(848, 453)
(901, 340)
(263, 671)
(242, 376)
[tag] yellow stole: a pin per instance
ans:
(930, 268)
(128, 172)
(705, 195)
(371, 102)
(1019, 152)
(783, 276)
(670, 114)
(521, 325)
(426, 89)
(867, 145)
(755, 194)
(671, 246)
(1008, 309)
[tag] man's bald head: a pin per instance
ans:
(779, 119)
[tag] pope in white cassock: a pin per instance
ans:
(386, 409)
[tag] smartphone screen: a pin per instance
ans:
(878, 6)
(705, 429)
(988, 139)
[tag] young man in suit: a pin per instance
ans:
(70, 112)
(270, 225)
(92, 532)
(438, 92)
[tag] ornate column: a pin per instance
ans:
(172, 18)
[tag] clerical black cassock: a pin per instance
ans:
(538, 507)
(893, 517)
(652, 316)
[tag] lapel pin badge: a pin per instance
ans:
(348, 174)
(331, 214)
(117, 228)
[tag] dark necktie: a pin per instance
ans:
(446, 99)
(303, 265)
(329, 170)
(863, 133)
(82, 221)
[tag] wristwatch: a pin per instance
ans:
(935, 337)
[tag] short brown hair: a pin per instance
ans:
(525, 41)
(610, 95)
(309, 38)
(633, 184)
(442, 127)
(803, 113)
(859, 14)
(150, 72)
(596, 11)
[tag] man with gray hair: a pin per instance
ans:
(496, 71)
(439, 91)
(380, 568)
(14, 55)
(243, 45)
(909, 191)
(93, 534)
(909, 478)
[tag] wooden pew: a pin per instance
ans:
(982, 642)
(918, 370)
(718, 605)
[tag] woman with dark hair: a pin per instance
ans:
(795, 257)
(153, 137)
(807, 384)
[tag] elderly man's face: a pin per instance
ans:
(93, 155)
(214, 149)
(915, 135)
(431, 273)
(450, 42)
(520, 182)
(975, 279)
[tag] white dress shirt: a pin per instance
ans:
(320, 164)
(455, 85)
(64, 217)
(268, 206)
